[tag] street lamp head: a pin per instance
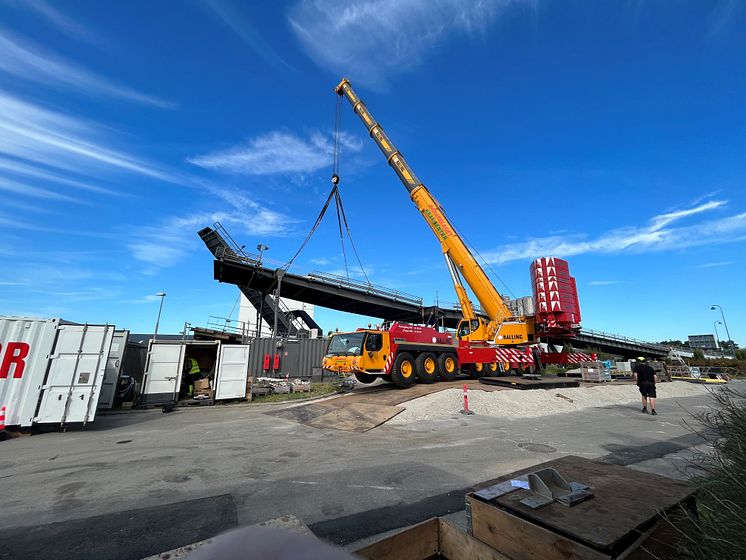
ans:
(718, 322)
(160, 294)
(712, 308)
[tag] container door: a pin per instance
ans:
(76, 373)
(232, 371)
(163, 373)
(113, 368)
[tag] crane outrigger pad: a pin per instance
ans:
(515, 382)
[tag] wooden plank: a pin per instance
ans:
(418, 542)
(516, 382)
(664, 537)
(522, 540)
(626, 502)
(355, 417)
(457, 545)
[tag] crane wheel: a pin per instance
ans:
(365, 378)
(492, 368)
(403, 372)
(447, 367)
(386, 377)
(477, 370)
(427, 367)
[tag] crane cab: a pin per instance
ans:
(509, 333)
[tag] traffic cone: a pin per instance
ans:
(2, 419)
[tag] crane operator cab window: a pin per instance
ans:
(374, 342)
(467, 327)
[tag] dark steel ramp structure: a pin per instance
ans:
(289, 321)
(233, 266)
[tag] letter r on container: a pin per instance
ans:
(15, 353)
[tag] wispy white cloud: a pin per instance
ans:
(233, 18)
(36, 192)
(59, 20)
(51, 138)
(604, 282)
(716, 264)
(19, 168)
(724, 14)
(279, 152)
(169, 242)
(371, 40)
(90, 294)
(144, 299)
(657, 235)
(662, 220)
(28, 62)
(322, 261)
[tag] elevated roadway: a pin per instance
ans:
(231, 266)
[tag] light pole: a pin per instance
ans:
(717, 335)
(161, 295)
(261, 248)
(727, 332)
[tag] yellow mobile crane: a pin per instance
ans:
(502, 328)
(401, 352)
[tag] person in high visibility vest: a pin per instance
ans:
(191, 372)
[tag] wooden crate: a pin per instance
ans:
(434, 538)
(629, 516)
(301, 387)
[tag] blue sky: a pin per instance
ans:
(612, 134)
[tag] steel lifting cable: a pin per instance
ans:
(341, 235)
(341, 216)
(313, 229)
(341, 209)
(484, 261)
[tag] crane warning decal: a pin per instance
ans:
(438, 222)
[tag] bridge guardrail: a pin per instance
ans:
(625, 339)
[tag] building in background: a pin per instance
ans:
(703, 342)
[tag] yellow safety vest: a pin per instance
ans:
(195, 367)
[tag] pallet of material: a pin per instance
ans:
(434, 538)
(301, 387)
(594, 372)
(630, 516)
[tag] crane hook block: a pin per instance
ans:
(335, 179)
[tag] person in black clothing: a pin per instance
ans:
(646, 379)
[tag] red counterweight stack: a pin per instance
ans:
(555, 297)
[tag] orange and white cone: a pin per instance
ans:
(2, 419)
(465, 411)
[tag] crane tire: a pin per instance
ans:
(427, 367)
(386, 377)
(403, 372)
(365, 377)
(447, 366)
(477, 370)
(492, 368)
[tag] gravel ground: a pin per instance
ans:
(535, 402)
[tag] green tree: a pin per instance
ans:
(698, 354)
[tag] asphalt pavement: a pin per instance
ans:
(142, 482)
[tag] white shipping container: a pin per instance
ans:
(51, 371)
(225, 365)
(114, 361)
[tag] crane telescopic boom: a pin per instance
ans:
(500, 328)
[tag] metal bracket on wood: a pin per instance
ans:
(548, 485)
